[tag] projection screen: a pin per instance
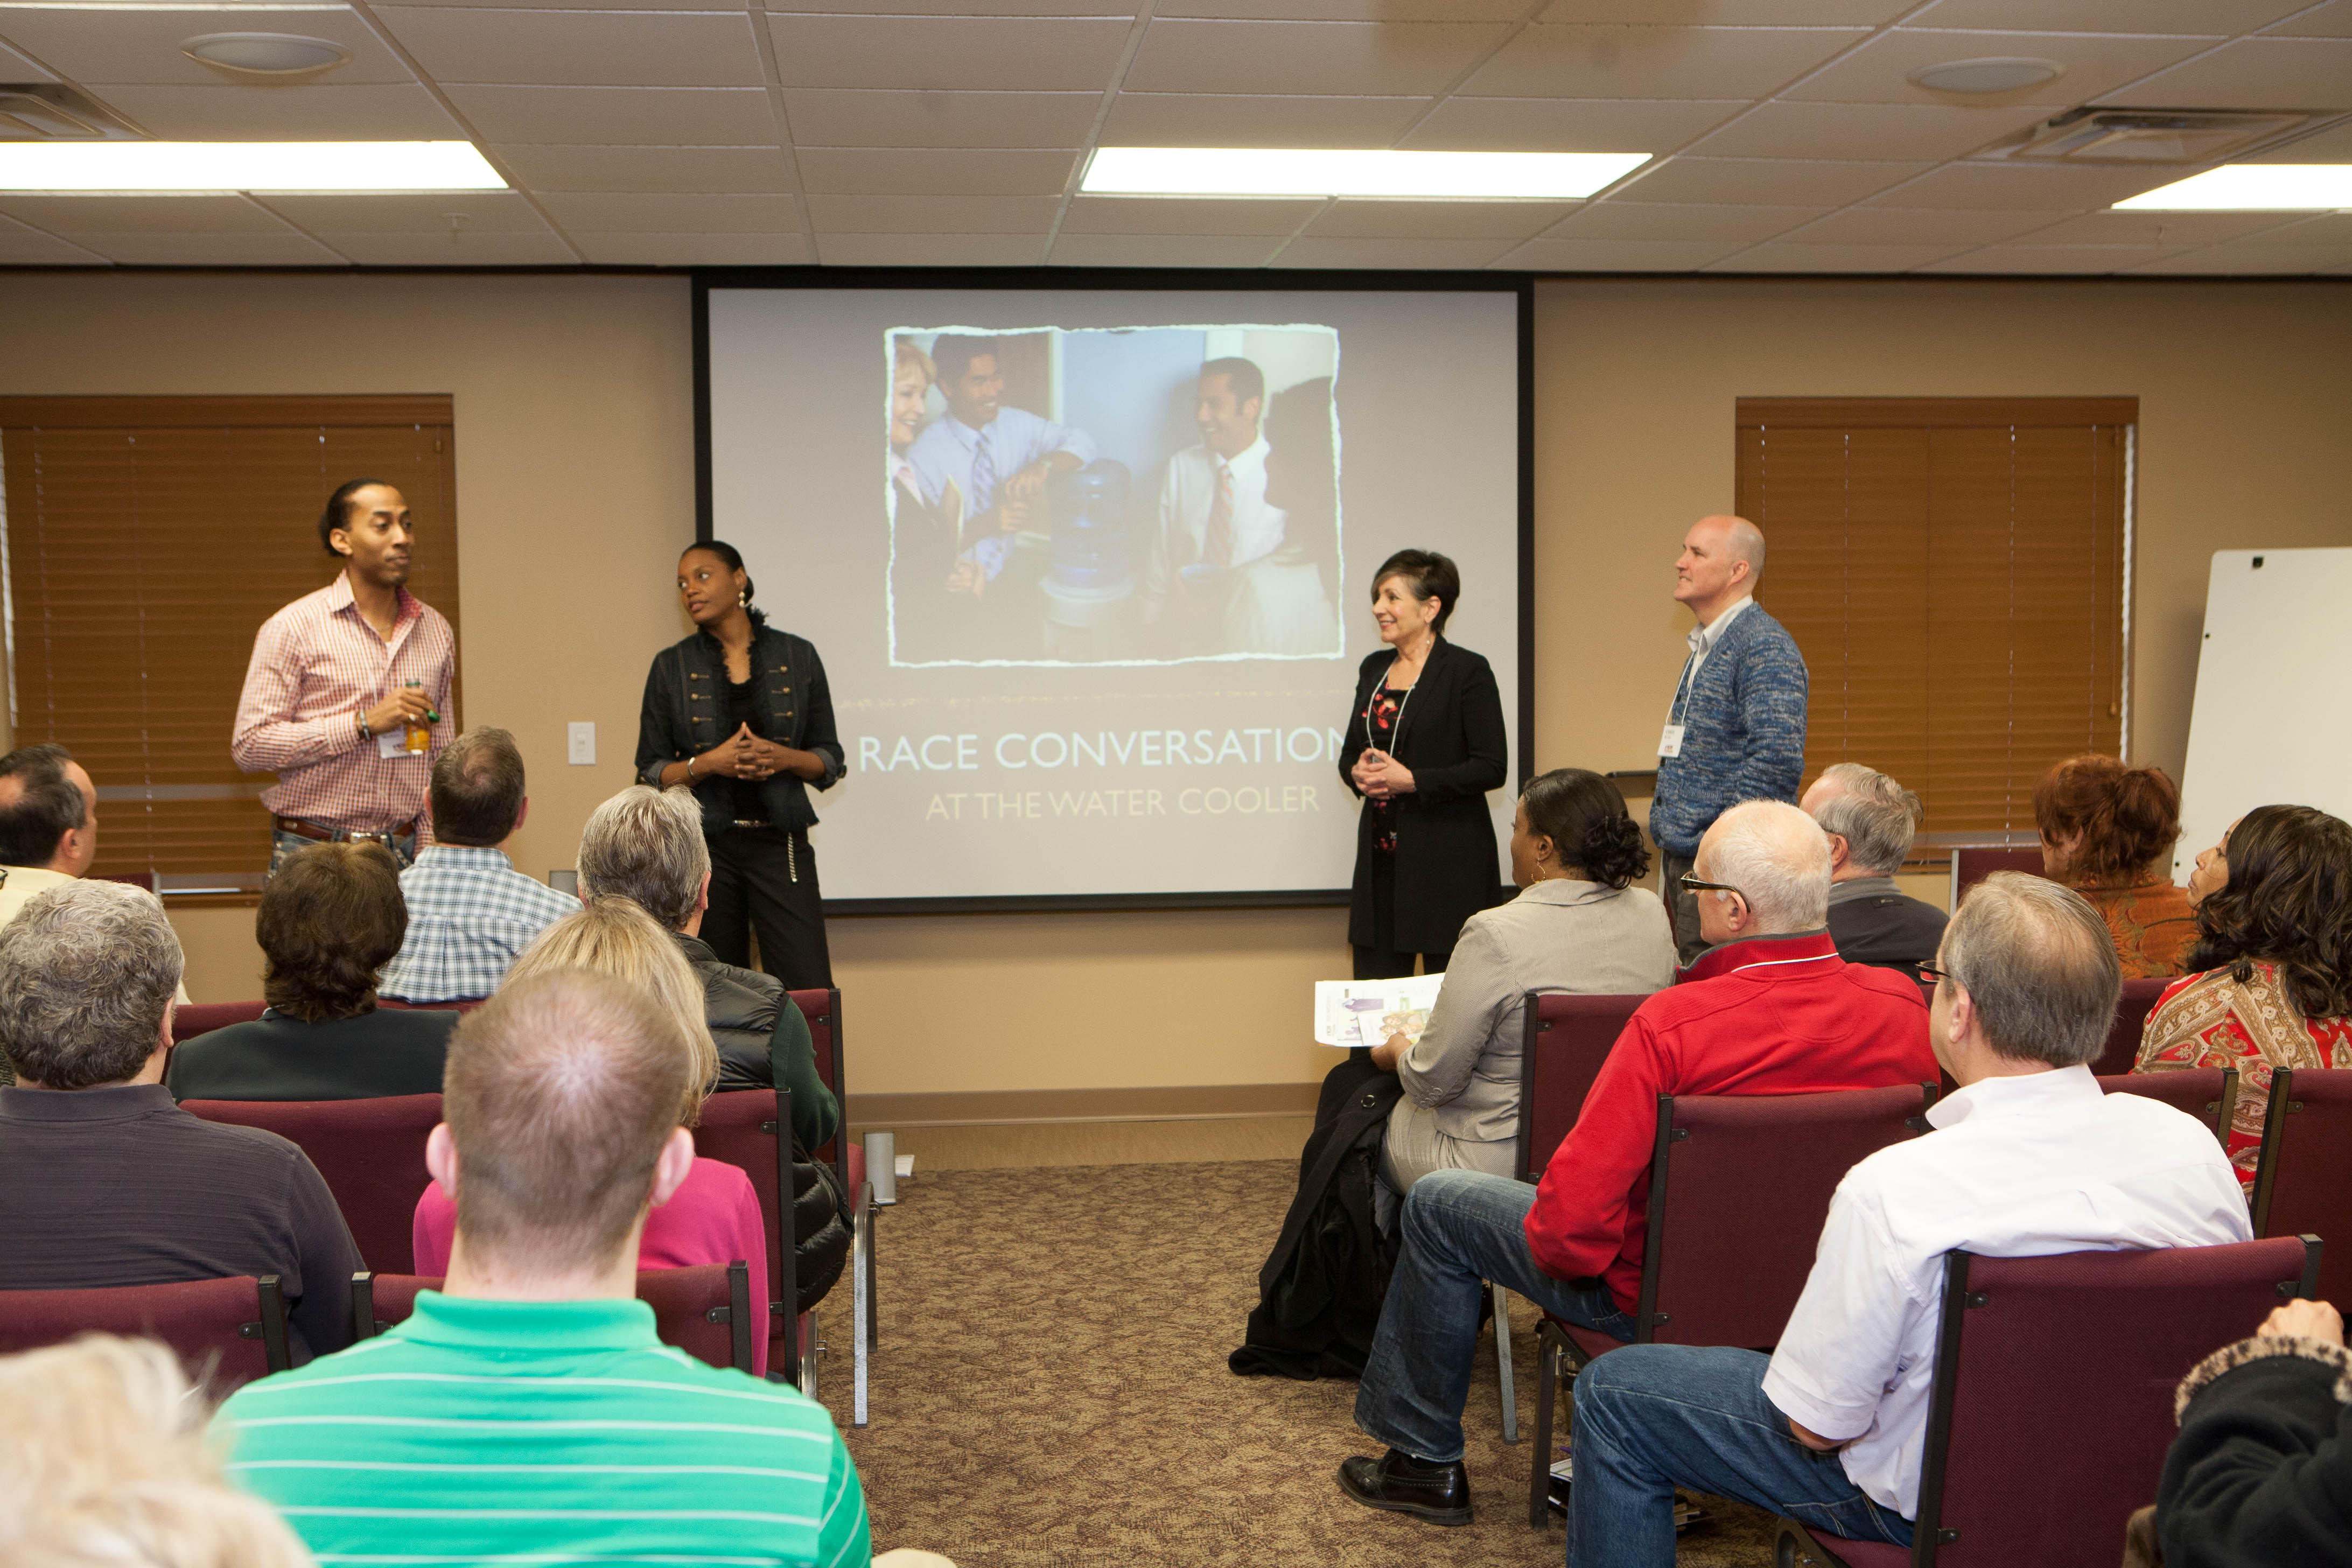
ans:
(1090, 568)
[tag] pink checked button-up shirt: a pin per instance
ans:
(316, 664)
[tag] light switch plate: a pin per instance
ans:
(583, 744)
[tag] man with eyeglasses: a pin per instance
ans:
(1770, 1009)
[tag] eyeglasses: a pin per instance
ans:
(1692, 884)
(1929, 972)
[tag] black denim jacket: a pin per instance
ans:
(684, 716)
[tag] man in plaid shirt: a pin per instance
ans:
(470, 912)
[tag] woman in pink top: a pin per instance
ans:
(714, 1216)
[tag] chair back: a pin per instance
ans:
(705, 1312)
(2013, 1359)
(226, 1332)
(2303, 1184)
(2208, 1094)
(823, 1011)
(372, 1153)
(1971, 864)
(204, 1018)
(1740, 1188)
(2132, 1008)
(743, 1127)
(1567, 1038)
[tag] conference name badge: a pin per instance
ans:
(393, 743)
(1670, 741)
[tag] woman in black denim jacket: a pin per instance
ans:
(740, 712)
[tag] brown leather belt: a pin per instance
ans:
(302, 829)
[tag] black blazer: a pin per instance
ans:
(1453, 739)
(391, 1050)
(683, 715)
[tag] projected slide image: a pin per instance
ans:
(1135, 496)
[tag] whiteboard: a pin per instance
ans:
(2268, 727)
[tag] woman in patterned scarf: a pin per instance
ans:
(2272, 981)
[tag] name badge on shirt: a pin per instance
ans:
(1670, 741)
(394, 742)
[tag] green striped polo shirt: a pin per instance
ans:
(515, 1432)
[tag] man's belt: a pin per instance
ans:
(300, 829)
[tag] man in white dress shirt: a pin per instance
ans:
(2028, 1159)
(1213, 508)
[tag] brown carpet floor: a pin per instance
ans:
(1052, 1389)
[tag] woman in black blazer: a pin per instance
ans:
(1424, 745)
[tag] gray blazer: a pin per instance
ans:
(1554, 936)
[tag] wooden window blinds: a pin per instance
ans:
(1954, 571)
(147, 540)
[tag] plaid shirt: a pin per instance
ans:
(470, 914)
(317, 664)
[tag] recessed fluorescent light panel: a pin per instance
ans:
(246, 166)
(2252, 187)
(1398, 176)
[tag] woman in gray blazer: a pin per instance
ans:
(1577, 925)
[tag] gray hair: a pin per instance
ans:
(86, 973)
(1775, 855)
(645, 845)
(1874, 815)
(2039, 964)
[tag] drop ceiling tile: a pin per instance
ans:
(1623, 219)
(2010, 187)
(677, 169)
(937, 171)
(1122, 8)
(283, 248)
(930, 53)
(2251, 261)
(930, 249)
(389, 211)
(1656, 62)
(2096, 64)
(1618, 255)
(325, 113)
(2259, 73)
(21, 245)
(142, 214)
(1163, 250)
(376, 249)
(1218, 120)
(605, 48)
(855, 117)
(666, 116)
(122, 45)
(20, 67)
(2225, 16)
(1347, 10)
(1767, 181)
(694, 249)
(1437, 220)
(2166, 230)
(381, 6)
(1785, 258)
(2333, 145)
(1929, 131)
(1568, 124)
(1732, 13)
(1365, 58)
(2319, 229)
(2067, 260)
(1149, 214)
(662, 213)
(930, 214)
(2333, 20)
(1920, 226)
(1411, 255)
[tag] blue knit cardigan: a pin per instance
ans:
(1744, 731)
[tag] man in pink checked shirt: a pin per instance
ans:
(336, 677)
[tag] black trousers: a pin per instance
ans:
(764, 878)
(1381, 959)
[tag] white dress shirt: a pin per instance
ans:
(1186, 496)
(2017, 1167)
(1016, 438)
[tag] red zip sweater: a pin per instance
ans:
(1765, 1014)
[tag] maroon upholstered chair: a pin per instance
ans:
(1739, 1187)
(823, 1011)
(2208, 1094)
(704, 1312)
(742, 1128)
(1567, 1038)
(372, 1153)
(204, 1018)
(2086, 1344)
(226, 1332)
(2303, 1184)
(2132, 1008)
(1972, 864)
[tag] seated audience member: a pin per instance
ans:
(469, 910)
(2107, 832)
(2272, 981)
(2028, 1158)
(647, 845)
(103, 1461)
(533, 1383)
(108, 1182)
(1579, 926)
(1769, 1008)
(1870, 820)
(2258, 1476)
(327, 921)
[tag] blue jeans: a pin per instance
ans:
(1650, 1418)
(283, 846)
(1461, 1227)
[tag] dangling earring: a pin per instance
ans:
(742, 601)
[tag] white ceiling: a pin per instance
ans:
(676, 132)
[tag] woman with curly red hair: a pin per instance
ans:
(2107, 832)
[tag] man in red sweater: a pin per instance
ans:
(1769, 1008)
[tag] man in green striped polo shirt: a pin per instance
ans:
(527, 1412)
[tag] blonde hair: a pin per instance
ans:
(103, 1461)
(614, 936)
(907, 352)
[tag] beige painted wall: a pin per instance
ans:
(576, 488)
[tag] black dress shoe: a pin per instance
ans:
(1438, 1493)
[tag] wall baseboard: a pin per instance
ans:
(987, 1108)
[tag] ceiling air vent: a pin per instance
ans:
(2149, 136)
(44, 112)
